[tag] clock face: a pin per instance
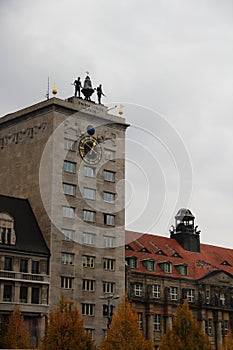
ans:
(90, 150)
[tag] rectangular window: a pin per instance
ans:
(89, 285)
(191, 295)
(222, 299)
(89, 193)
(35, 267)
(209, 329)
(67, 234)
(109, 176)
(225, 326)
(109, 154)
(89, 215)
(24, 265)
(69, 167)
(109, 264)
(69, 189)
(149, 264)
(108, 287)
(35, 295)
(174, 293)
(157, 322)
(109, 197)
(138, 289)
(68, 212)
(66, 282)
(166, 267)
(109, 242)
(7, 292)
(88, 309)
(207, 296)
(88, 238)
(156, 291)
(182, 269)
(89, 171)
(67, 259)
(69, 145)
(109, 219)
(132, 262)
(23, 294)
(140, 320)
(8, 263)
(88, 261)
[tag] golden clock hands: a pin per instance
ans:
(91, 148)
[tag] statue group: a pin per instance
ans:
(87, 89)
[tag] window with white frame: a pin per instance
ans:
(69, 189)
(109, 176)
(137, 289)
(88, 238)
(207, 296)
(157, 322)
(69, 167)
(68, 212)
(69, 145)
(109, 154)
(182, 269)
(67, 259)
(109, 197)
(89, 215)
(66, 282)
(225, 326)
(89, 171)
(88, 261)
(191, 295)
(132, 262)
(109, 264)
(67, 234)
(210, 326)
(89, 193)
(166, 267)
(88, 309)
(7, 231)
(149, 264)
(174, 293)
(109, 219)
(156, 291)
(88, 285)
(140, 320)
(108, 287)
(109, 242)
(222, 299)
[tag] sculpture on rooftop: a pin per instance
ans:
(87, 89)
(77, 84)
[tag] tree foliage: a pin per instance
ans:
(124, 332)
(15, 336)
(228, 342)
(185, 333)
(65, 329)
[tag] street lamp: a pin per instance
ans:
(109, 298)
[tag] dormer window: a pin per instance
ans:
(166, 267)
(149, 264)
(226, 263)
(7, 232)
(176, 255)
(160, 252)
(127, 247)
(132, 262)
(144, 250)
(182, 269)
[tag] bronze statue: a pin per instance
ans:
(99, 93)
(77, 84)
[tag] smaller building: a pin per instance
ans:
(24, 265)
(161, 272)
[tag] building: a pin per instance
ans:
(24, 265)
(65, 158)
(161, 272)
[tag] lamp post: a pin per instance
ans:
(109, 298)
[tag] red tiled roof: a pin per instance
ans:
(211, 258)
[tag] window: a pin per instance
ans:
(68, 212)
(35, 267)
(109, 176)
(90, 332)
(24, 265)
(108, 311)
(67, 259)
(69, 189)
(157, 322)
(88, 309)
(166, 267)
(225, 326)
(109, 154)
(182, 269)
(222, 299)
(209, 326)
(109, 242)
(69, 167)
(89, 193)
(140, 320)
(207, 296)
(7, 292)
(69, 145)
(66, 282)
(108, 287)
(109, 264)
(132, 262)
(109, 197)
(89, 215)
(89, 285)
(109, 219)
(88, 238)
(174, 293)
(191, 295)
(67, 234)
(7, 232)
(23, 295)
(156, 291)
(89, 171)
(149, 264)
(8, 263)
(35, 295)
(88, 261)
(137, 289)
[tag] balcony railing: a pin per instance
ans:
(23, 276)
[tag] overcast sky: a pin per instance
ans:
(170, 63)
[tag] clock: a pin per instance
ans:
(90, 150)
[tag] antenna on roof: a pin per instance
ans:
(47, 95)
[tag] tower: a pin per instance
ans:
(67, 157)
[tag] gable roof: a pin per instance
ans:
(29, 237)
(211, 258)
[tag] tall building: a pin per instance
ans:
(67, 158)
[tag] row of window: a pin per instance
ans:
(24, 294)
(89, 309)
(88, 215)
(89, 238)
(23, 265)
(89, 171)
(89, 193)
(88, 261)
(88, 285)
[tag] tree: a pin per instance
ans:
(65, 329)
(185, 333)
(124, 332)
(16, 335)
(228, 342)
